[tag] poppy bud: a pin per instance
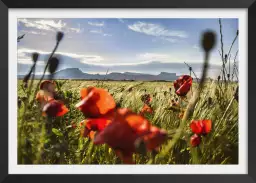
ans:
(226, 57)
(218, 78)
(53, 64)
(59, 36)
(35, 57)
(195, 140)
(190, 68)
(228, 76)
(237, 32)
(208, 41)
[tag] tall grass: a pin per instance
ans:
(45, 142)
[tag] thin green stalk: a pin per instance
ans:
(222, 52)
(42, 77)
(190, 109)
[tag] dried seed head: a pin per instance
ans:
(237, 32)
(226, 57)
(218, 78)
(53, 64)
(35, 57)
(60, 36)
(190, 68)
(208, 40)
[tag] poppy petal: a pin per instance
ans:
(63, 111)
(85, 91)
(97, 124)
(92, 134)
(155, 138)
(96, 102)
(195, 140)
(99, 139)
(207, 125)
(196, 127)
(54, 108)
(106, 101)
(183, 84)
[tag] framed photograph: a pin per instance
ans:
(131, 88)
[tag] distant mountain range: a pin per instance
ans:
(76, 73)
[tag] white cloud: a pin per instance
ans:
(100, 32)
(91, 59)
(76, 30)
(23, 57)
(107, 34)
(156, 30)
(169, 39)
(96, 31)
(33, 32)
(48, 26)
(152, 56)
(121, 20)
(97, 24)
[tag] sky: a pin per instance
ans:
(124, 45)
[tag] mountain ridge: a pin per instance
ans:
(76, 73)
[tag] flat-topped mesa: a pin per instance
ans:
(76, 73)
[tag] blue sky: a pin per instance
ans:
(124, 45)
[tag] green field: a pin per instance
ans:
(57, 142)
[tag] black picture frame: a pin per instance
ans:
(6, 4)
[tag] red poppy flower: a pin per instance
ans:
(54, 108)
(44, 97)
(195, 140)
(96, 102)
(146, 109)
(201, 126)
(123, 131)
(93, 125)
(48, 85)
(120, 136)
(182, 85)
(155, 138)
